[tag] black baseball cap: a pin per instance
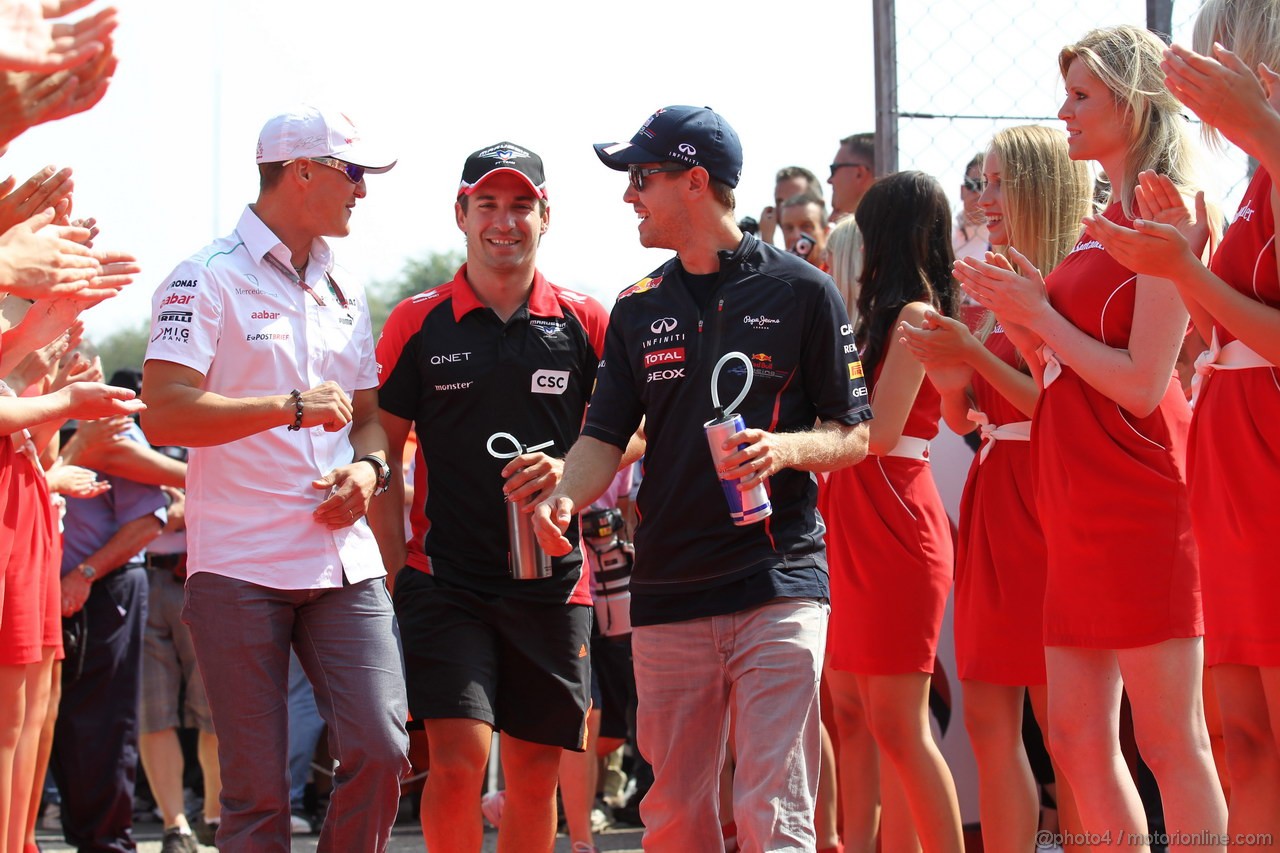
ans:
(503, 157)
(697, 136)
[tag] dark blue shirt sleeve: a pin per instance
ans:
(832, 372)
(616, 409)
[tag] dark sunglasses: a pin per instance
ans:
(637, 174)
(975, 185)
(354, 173)
(835, 167)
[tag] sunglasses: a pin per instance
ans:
(974, 185)
(354, 173)
(637, 174)
(835, 167)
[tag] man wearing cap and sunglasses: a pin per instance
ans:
(728, 621)
(261, 362)
(493, 369)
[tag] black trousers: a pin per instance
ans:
(95, 741)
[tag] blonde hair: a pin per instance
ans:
(844, 259)
(1044, 195)
(1045, 192)
(1126, 59)
(1248, 28)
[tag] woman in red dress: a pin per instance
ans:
(1034, 197)
(30, 624)
(1122, 599)
(889, 543)
(1233, 465)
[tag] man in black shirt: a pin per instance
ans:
(727, 619)
(496, 361)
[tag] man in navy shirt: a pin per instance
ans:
(727, 620)
(104, 606)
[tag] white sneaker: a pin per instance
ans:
(491, 806)
(299, 825)
(601, 819)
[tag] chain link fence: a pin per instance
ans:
(950, 75)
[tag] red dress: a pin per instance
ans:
(30, 617)
(1233, 463)
(1000, 554)
(890, 554)
(1110, 486)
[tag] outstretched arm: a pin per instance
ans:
(588, 470)
(181, 412)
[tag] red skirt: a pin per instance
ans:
(891, 558)
(1233, 476)
(1000, 571)
(1112, 498)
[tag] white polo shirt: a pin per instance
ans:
(234, 316)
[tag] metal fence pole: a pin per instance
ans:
(886, 50)
(1160, 18)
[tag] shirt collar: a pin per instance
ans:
(261, 241)
(542, 298)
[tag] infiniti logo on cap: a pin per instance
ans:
(662, 325)
(686, 148)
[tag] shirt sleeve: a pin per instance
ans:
(132, 500)
(831, 369)
(594, 321)
(401, 381)
(186, 318)
(615, 409)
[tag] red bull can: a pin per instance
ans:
(744, 507)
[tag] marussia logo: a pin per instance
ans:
(664, 356)
(505, 153)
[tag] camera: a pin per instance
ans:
(804, 246)
(611, 558)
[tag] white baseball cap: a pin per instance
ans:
(308, 131)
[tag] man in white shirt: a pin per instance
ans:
(261, 361)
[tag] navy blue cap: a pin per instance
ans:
(698, 136)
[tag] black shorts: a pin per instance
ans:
(520, 666)
(611, 668)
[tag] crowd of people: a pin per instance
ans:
(279, 524)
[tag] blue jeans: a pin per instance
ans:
(760, 666)
(345, 639)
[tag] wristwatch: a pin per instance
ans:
(383, 470)
(87, 571)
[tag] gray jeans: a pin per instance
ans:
(760, 666)
(345, 639)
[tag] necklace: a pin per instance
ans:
(297, 279)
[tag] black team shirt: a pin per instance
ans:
(666, 333)
(450, 365)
